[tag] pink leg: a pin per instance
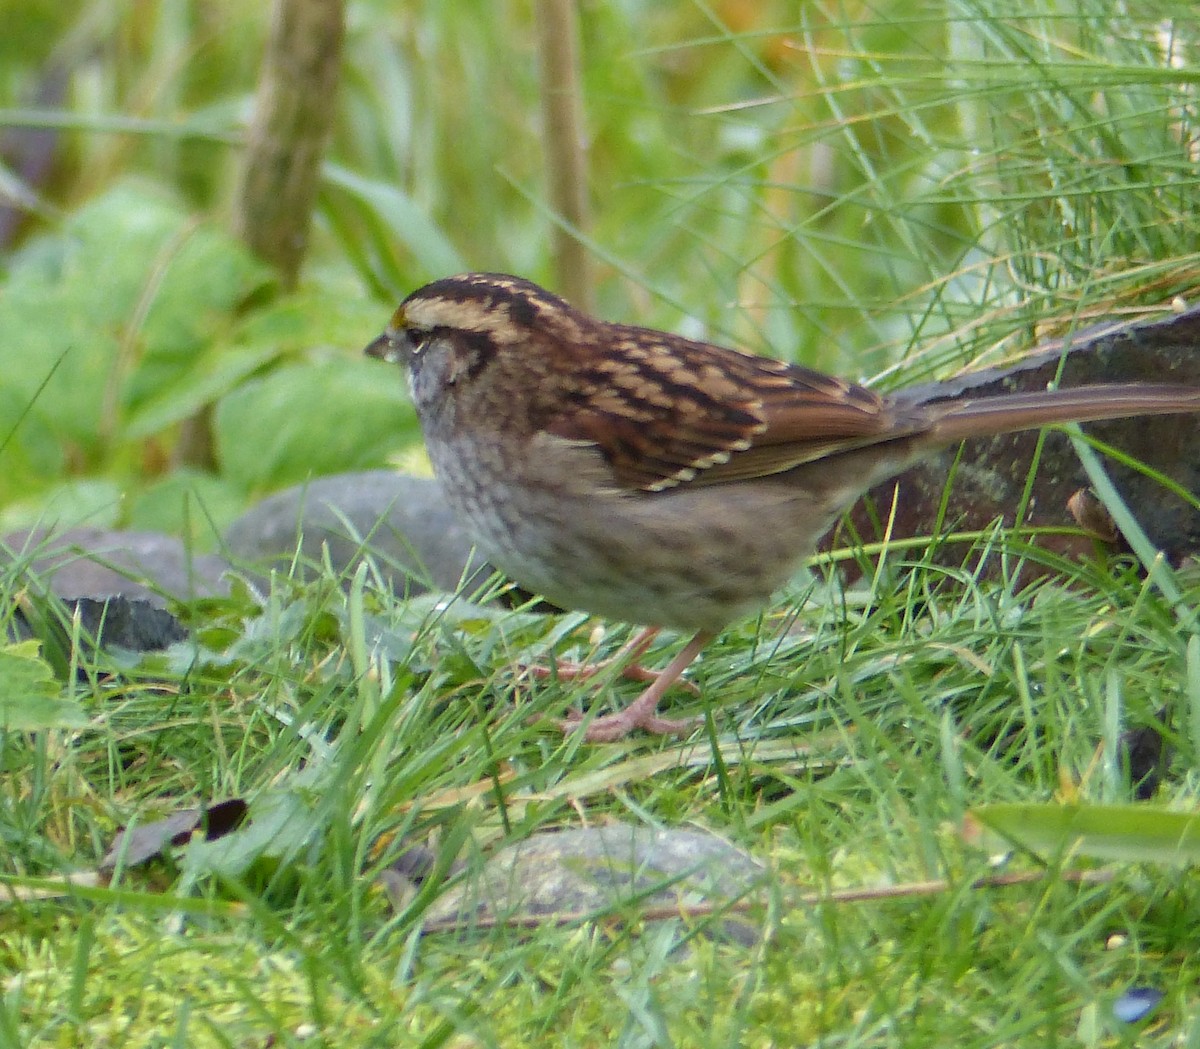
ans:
(630, 653)
(642, 712)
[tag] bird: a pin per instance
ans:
(658, 480)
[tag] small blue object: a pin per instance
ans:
(1136, 1004)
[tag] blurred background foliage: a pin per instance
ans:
(924, 184)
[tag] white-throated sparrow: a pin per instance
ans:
(649, 478)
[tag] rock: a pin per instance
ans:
(402, 522)
(136, 625)
(618, 869)
(99, 563)
(990, 477)
(118, 583)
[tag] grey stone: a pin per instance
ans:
(990, 475)
(122, 622)
(99, 563)
(402, 522)
(616, 869)
(117, 583)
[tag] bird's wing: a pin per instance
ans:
(664, 411)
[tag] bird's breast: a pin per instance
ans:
(688, 558)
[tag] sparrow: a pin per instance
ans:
(645, 477)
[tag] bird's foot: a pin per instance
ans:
(643, 712)
(626, 657)
(612, 727)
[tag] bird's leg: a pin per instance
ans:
(643, 712)
(628, 657)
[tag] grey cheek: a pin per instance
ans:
(423, 390)
(427, 380)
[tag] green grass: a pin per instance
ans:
(889, 191)
(843, 751)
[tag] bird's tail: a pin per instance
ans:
(953, 421)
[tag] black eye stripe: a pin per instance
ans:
(481, 351)
(476, 347)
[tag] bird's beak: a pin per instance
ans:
(388, 347)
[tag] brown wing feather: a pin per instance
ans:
(665, 411)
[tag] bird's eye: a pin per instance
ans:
(417, 337)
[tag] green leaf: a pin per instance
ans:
(290, 327)
(83, 501)
(212, 376)
(405, 219)
(29, 693)
(1126, 833)
(126, 293)
(284, 823)
(312, 318)
(306, 420)
(199, 277)
(30, 451)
